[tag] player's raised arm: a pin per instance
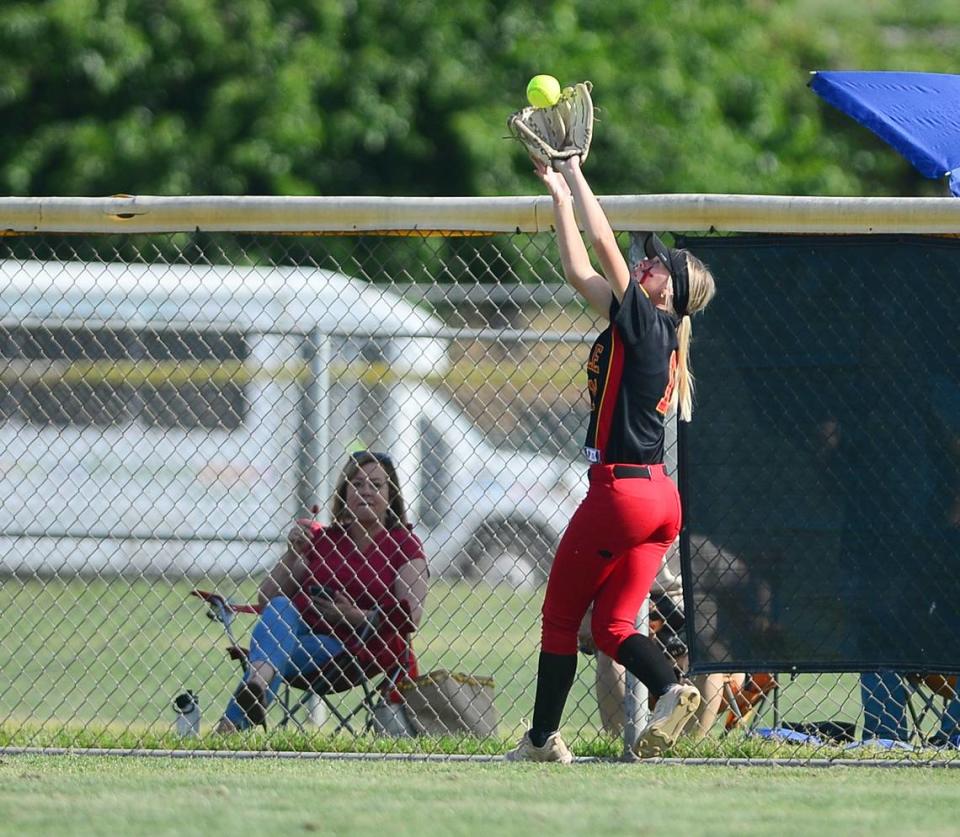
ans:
(574, 258)
(597, 227)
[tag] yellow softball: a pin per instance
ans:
(543, 91)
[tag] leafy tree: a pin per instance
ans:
(379, 97)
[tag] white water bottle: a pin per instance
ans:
(187, 708)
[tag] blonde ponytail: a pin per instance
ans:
(702, 290)
(683, 391)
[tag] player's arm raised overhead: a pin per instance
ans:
(577, 268)
(597, 227)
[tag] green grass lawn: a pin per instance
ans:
(96, 663)
(156, 796)
(92, 653)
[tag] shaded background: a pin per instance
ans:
(822, 472)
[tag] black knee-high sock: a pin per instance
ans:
(645, 660)
(554, 678)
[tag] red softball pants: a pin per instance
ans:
(609, 555)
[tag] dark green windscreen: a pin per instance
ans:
(821, 472)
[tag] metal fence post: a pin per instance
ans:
(312, 459)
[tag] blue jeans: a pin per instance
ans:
(885, 709)
(282, 639)
(884, 706)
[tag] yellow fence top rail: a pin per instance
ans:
(464, 215)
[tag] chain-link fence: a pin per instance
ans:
(172, 402)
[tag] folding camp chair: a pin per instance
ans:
(928, 690)
(343, 673)
(744, 703)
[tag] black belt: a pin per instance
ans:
(631, 472)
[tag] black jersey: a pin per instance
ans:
(631, 373)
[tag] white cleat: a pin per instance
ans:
(553, 749)
(673, 711)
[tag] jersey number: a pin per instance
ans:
(664, 404)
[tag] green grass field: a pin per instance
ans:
(96, 663)
(156, 796)
(111, 655)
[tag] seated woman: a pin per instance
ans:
(885, 698)
(357, 586)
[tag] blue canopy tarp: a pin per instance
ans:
(916, 113)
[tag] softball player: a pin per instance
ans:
(637, 370)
